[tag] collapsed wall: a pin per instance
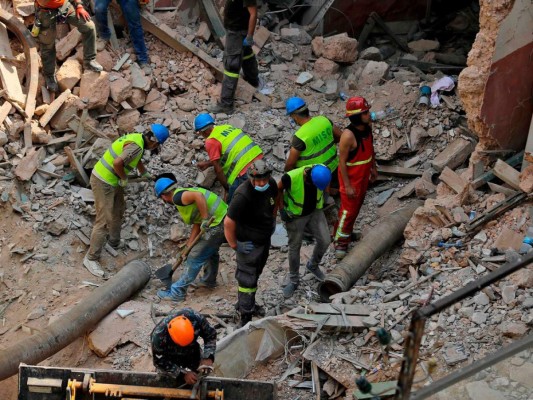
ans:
(495, 88)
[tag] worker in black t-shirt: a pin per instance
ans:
(240, 18)
(248, 226)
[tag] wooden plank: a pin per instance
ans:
(74, 123)
(507, 174)
(501, 189)
(394, 170)
(29, 164)
(121, 62)
(75, 164)
(334, 321)
(80, 131)
(261, 36)
(316, 380)
(453, 180)
(62, 139)
(113, 39)
(8, 72)
(488, 176)
(349, 309)
(54, 108)
(176, 41)
(4, 111)
(214, 21)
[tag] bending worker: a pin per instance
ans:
(357, 167)
(230, 152)
(108, 180)
(248, 227)
(48, 13)
(302, 191)
(175, 345)
(196, 206)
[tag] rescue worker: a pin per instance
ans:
(314, 142)
(301, 199)
(357, 167)
(230, 152)
(175, 346)
(240, 18)
(250, 222)
(50, 12)
(132, 15)
(196, 206)
(108, 180)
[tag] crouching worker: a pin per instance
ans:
(175, 346)
(205, 211)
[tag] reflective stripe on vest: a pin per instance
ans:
(238, 150)
(104, 167)
(215, 207)
(293, 198)
(247, 290)
(320, 148)
(359, 162)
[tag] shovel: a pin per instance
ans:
(166, 271)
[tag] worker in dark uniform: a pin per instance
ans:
(175, 347)
(248, 226)
(240, 18)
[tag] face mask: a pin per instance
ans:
(293, 123)
(262, 188)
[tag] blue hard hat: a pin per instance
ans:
(293, 104)
(160, 132)
(320, 176)
(203, 120)
(162, 184)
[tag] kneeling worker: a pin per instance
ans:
(175, 347)
(196, 206)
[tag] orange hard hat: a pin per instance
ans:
(356, 105)
(181, 330)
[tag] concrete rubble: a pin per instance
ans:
(48, 212)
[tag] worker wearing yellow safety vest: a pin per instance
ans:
(108, 180)
(197, 206)
(357, 168)
(301, 199)
(314, 142)
(230, 150)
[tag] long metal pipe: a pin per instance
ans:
(376, 242)
(78, 320)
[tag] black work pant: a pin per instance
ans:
(249, 269)
(236, 56)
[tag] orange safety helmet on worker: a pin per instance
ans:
(181, 330)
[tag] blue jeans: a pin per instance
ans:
(132, 14)
(236, 183)
(204, 252)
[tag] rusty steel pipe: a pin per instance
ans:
(376, 242)
(78, 320)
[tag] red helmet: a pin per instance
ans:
(356, 105)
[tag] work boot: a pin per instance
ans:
(289, 290)
(117, 246)
(147, 69)
(51, 83)
(340, 250)
(93, 65)
(245, 318)
(93, 267)
(167, 296)
(259, 311)
(203, 284)
(315, 271)
(220, 108)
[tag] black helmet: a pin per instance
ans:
(259, 169)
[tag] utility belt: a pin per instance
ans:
(61, 12)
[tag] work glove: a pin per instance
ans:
(123, 182)
(244, 247)
(205, 224)
(146, 175)
(81, 13)
(284, 216)
(248, 41)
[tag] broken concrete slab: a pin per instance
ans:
(105, 60)
(374, 72)
(304, 78)
(65, 46)
(453, 180)
(185, 104)
(29, 164)
(127, 120)
(138, 78)
(95, 89)
(507, 174)
(69, 74)
(453, 155)
(508, 239)
(155, 101)
(340, 48)
(119, 87)
(423, 45)
(53, 108)
(203, 32)
(325, 67)
(70, 107)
